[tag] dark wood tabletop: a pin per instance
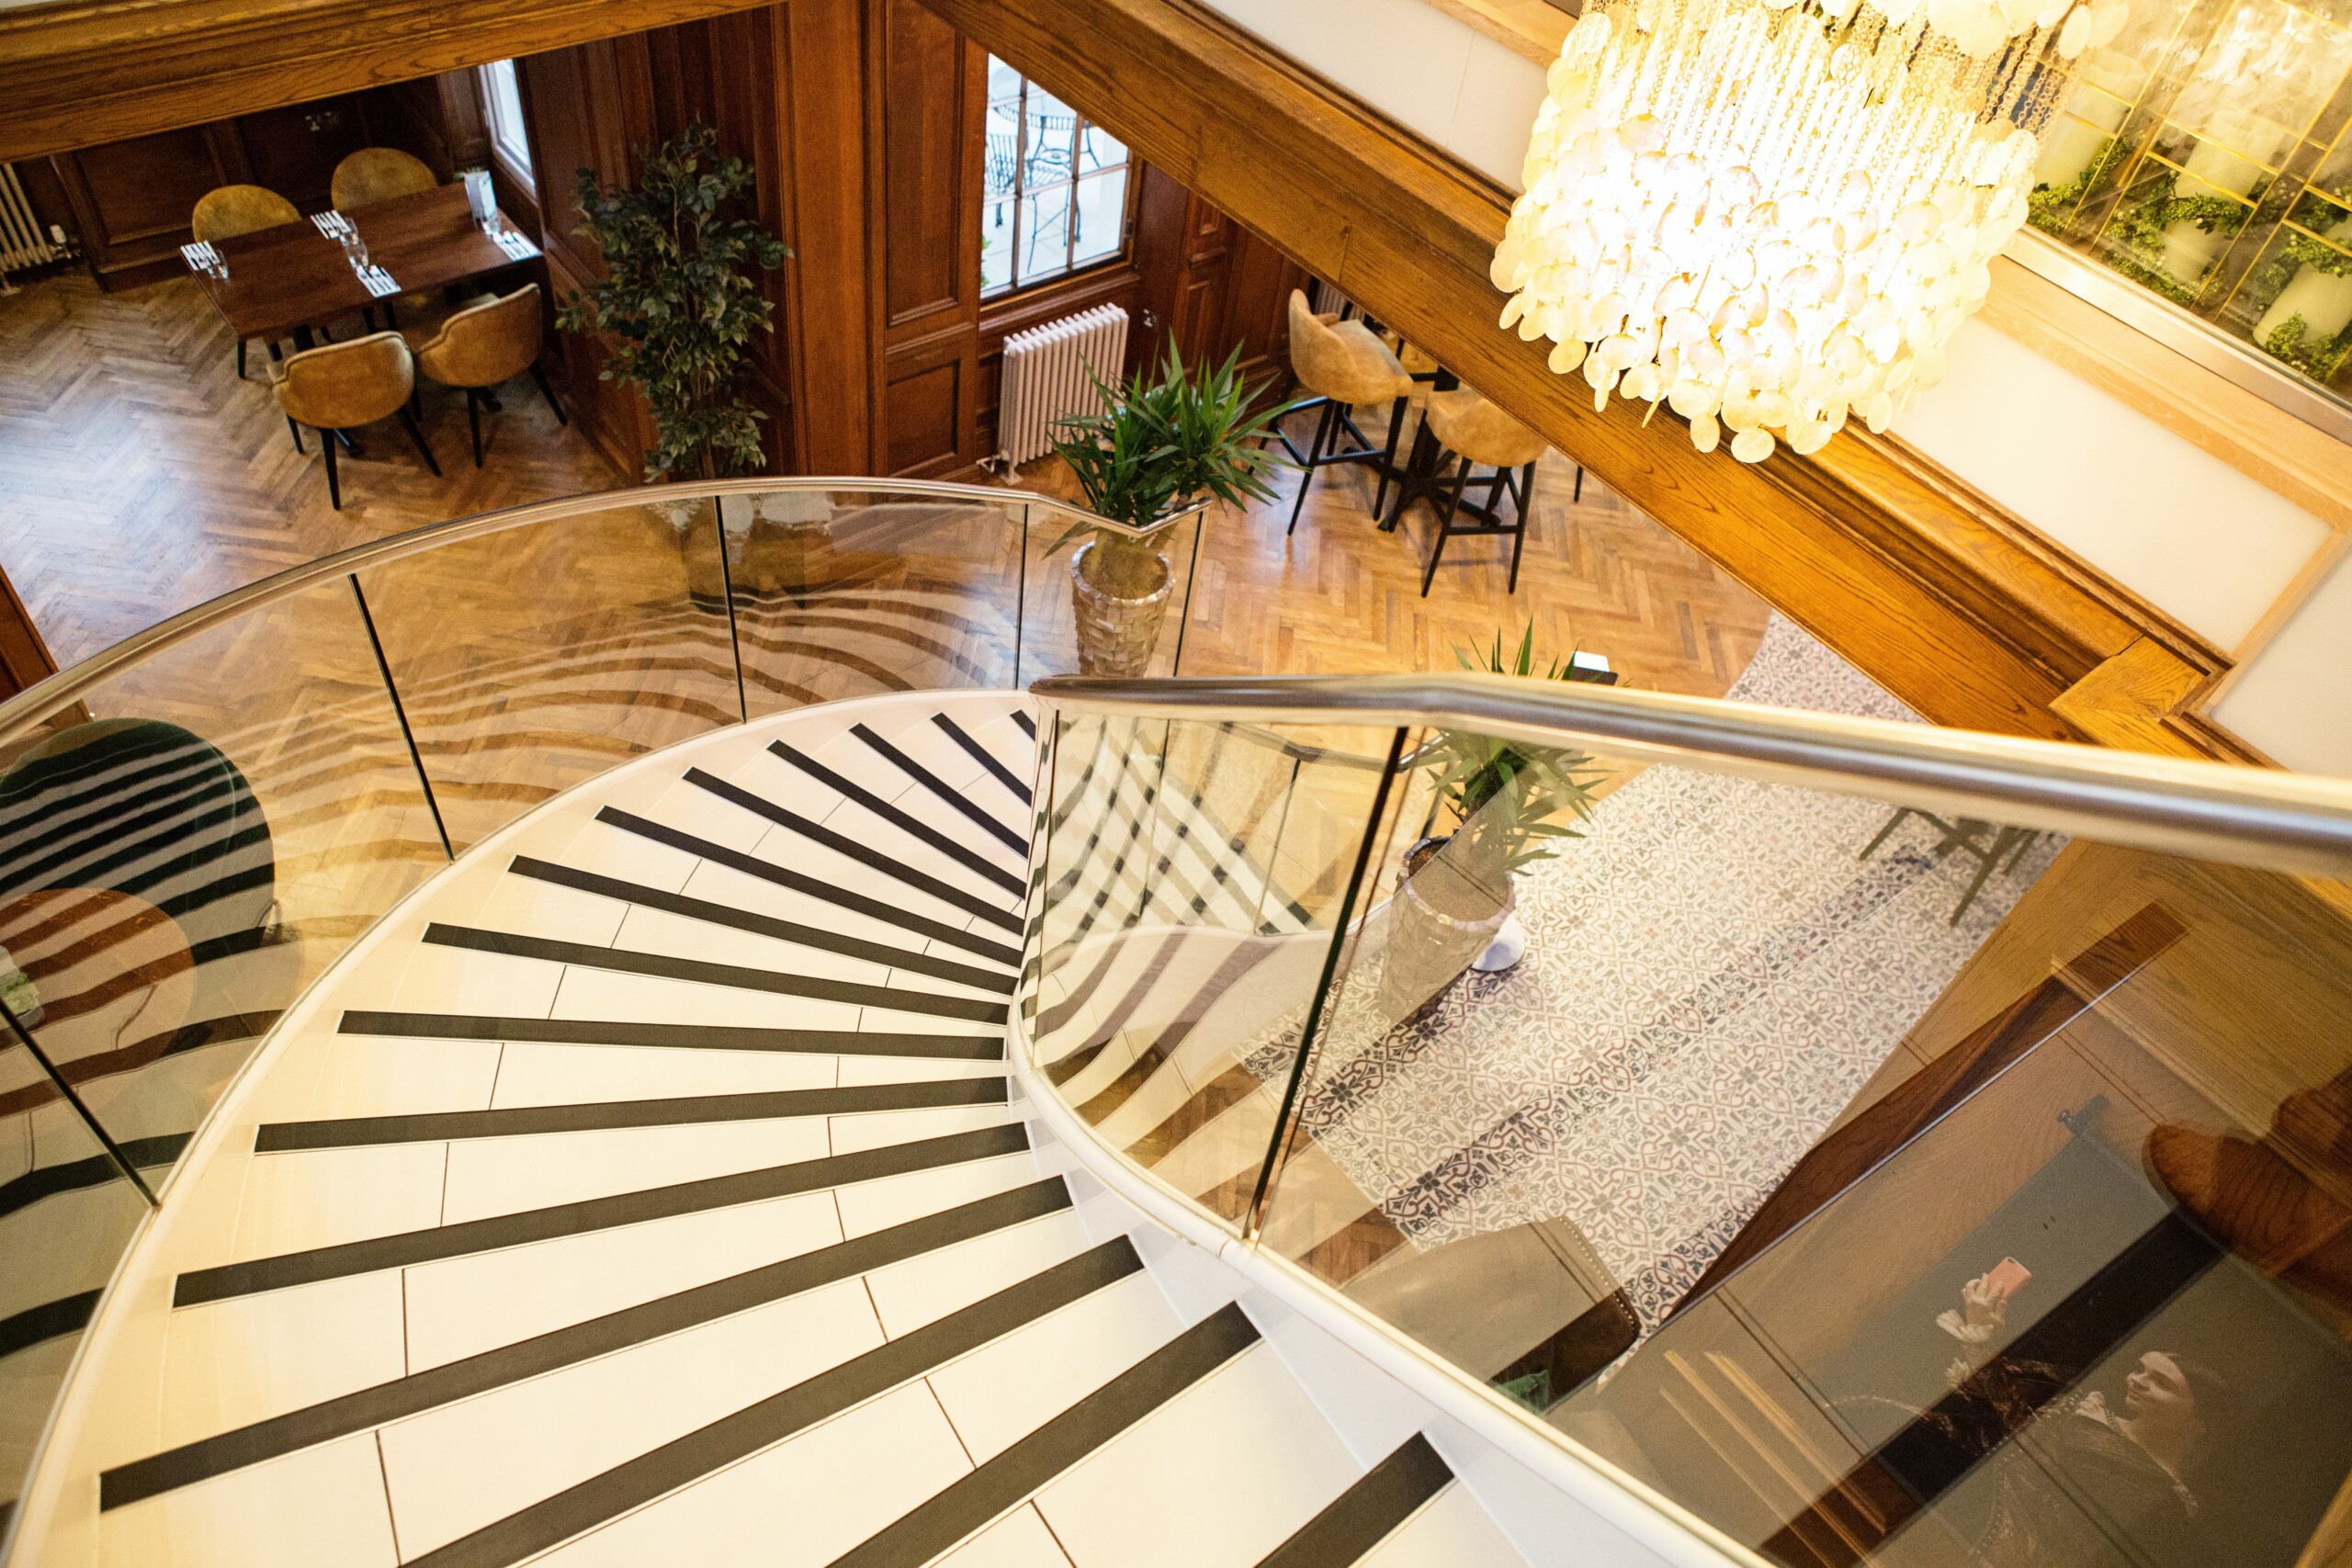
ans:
(290, 277)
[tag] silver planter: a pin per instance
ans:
(1440, 922)
(1116, 635)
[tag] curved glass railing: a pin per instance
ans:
(195, 822)
(1882, 1144)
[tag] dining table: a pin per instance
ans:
(286, 281)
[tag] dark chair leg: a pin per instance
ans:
(1518, 537)
(408, 422)
(241, 359)
(473, 420)
(334, 482)
(1891, 824)
(275, 353)
(1307, 469)
(367, 317)
(548, 393)
(1578, 494)
(295, 431)
(1445, 524)
(1388, 455)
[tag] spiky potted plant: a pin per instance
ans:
(1155, 451)
(1510, 803)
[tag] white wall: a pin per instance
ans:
(1441, 77)
(2294, 699)
(2167, 519)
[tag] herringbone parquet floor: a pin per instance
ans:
(1340, 597)
(139, 476)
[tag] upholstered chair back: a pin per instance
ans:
(232, 211)
(346, 384)
(378, 174)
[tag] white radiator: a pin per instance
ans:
(1045, 378)
(22, 244)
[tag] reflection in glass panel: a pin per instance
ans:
(851, 593)
(2201, 152)
(1098, 222)
(532, 658)
(189, 846)
(1050, 630)
(1044, 240)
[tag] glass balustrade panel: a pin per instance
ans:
(531, 659)
(1882, 1184)
(1192, 880)
(856, 594)
(1143, 637)
(186, 847)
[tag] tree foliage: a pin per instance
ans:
(680, 300)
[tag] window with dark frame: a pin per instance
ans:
(1055, 191)
(502, 105)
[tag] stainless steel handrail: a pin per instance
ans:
(2211, 810)
(36, 702)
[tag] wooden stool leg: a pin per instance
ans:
(1307, 469)
(334, 483)
(1519, 534)
(1446, 525)
(1388, 456)
(408, 422)
(473, 419)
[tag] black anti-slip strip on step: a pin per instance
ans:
(354, 1132)
(984, 757)
(956, 897)
(543, 1353)
(68, 1315)
(78, 1175)
(1000, 1484)
(938, 787)
(670, 1036)
(766, 871)
(591, 1215)
(763, 925)
(681, 1463)
(1028, 725)
(622, 961)
(913, 827)
(1363, 1515)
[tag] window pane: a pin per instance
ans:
(1045, 234)
(504, 102)
(1001, 141)
(1004, 82)
(1053, 131)
(996, 244)
(1099, 150)
(1101, 216)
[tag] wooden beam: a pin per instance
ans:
(1957, 607)
(77, 73)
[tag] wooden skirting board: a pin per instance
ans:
(1960, 609)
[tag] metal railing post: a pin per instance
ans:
(727, 586)
(400, 712)
(98, 1129)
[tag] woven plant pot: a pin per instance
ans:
(1439, 922)
(1118, 623)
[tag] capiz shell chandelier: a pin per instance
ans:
(1772, 214)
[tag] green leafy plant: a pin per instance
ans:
(680, 300)
(1157, 445)
(1509, 796)
(2138, 228)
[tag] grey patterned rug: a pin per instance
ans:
(1710, 975)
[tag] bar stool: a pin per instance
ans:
(1341, 364)
(1467, 427)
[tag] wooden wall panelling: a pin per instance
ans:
(741, 60)
(24, 656)
(438, 118)
(1968, 621)
(930, 89)
(831, 336)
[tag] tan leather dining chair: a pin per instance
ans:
(345, 385)
(378, 174)
(1341, 364)
(488, 342)
(1466, 426)
(231, 210)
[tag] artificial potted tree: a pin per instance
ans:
(1506, 801)
(1154, 452)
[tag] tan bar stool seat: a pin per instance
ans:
(1466, 426)
(1340, 365)
(231, 210)
(488, 341)
(345, 385)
